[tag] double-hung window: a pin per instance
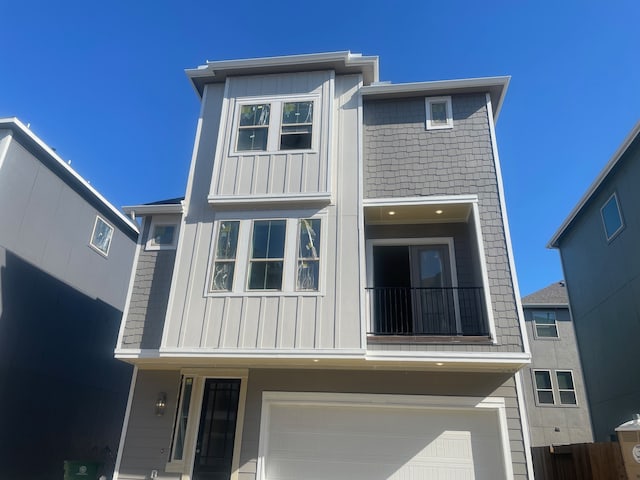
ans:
(225, 256)
(267, 255)
(308, 266)
(544, 388)
(566, 388)
(545, 323)
(562, 393)
(281, 124)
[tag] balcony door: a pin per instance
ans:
(412, 290)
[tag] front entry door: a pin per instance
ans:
(216, 434)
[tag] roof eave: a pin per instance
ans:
(495, 86)
(555, 240)
(343, 62)
(142, 210)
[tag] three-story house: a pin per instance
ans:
(335, 296)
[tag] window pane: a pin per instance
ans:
(547, 318)
(223, 276)
(268, 239)
(568, 398)
(308, 274)
(611, 217)
(439, 113)
(547, 331)
(309, 238)
(565, 380)
(296, 141)
(102, 233)
(543, 380)
(163, 234)
(227, 240)
(251, 115)
(265, 276)
(297, 112)
(252, 139)
(183, 417)
(545, 397)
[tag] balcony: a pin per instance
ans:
(446, 311)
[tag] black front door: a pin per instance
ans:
(214, 449)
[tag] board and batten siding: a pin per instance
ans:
(275, 173)
(457, 161)
(200, 320)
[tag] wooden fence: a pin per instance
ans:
(580, 461)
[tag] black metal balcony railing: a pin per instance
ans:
(428, 311)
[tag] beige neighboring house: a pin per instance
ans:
(335, 296)
(554, 385)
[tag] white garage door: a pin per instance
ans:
(360, 442)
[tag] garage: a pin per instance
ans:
(375, 437)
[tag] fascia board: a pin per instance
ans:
(554, 242)
(27, 135)
(153, 209)
(498, 84)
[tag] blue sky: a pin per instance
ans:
(103, 83)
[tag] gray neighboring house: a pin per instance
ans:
(598, 245)
(554, 386)
(65, 258)
(335, 297)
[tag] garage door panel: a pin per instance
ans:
(361, 442)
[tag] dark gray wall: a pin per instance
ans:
(603, 282)
(403, 159)
(573, 423)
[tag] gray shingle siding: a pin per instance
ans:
(403, 159)
(148, 305)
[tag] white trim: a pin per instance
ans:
(428, 103)
(14, 123)
(524, 423)
(132, 278)
(428, 200)
(141, 353)
(143, 210)
(125, 423)
(297, 198)
(163, 222)
(5, 148)
(520, 359)
(387, 401)
(365, 314)
(93, 232)
(611, 237)
(602, 176)
(223, 127)
(507, 232)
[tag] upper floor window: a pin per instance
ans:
(544, 389)
(545, 323)
(267, 255)
(162, 236)
(439, 113)
(308, 254)
(280, 124)
(224, 263)
(562, 393)
(611, 217)
(101, 236)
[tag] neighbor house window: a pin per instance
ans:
(439, 113)
(182, 418)
(297, 123)
(611, 217)
(545, 323)
(267, 255)
(101, 236)
(253, 127)
(544, 389)
(566, 389)
(308, 265)
(162, 236)
(225, 256)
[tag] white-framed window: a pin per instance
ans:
(544, 387)
(224, 262)
(162, 235)
(266, 256)
(545, 324)
(182, 419)
(612, 217)
(266, 263)
(308, 266)
(566, 387)
(101, 236)
(275, 124)
(439, 113)
(555, 387)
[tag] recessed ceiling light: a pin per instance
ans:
(439, 364)
(392, 212)
(439, 212)
(315, 360)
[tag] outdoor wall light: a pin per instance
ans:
(161, 404)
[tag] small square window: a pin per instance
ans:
(101, 236)
(439, 113)
(611, 217)
(545, 323)
(162, 236)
